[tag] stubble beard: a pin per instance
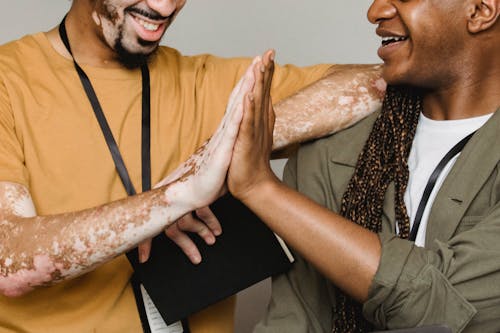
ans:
(130, 59)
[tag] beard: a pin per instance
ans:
(129, 59)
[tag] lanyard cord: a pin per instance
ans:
(108, 135)
(117, 157)
(432, 182)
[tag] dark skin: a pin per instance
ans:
(450, 94)
(91, 24)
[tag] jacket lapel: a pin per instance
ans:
(344, 161)
(471, 170)
(345, 147)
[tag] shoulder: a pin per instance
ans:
(170, 56)
(213, 77)
(17, 49)
(342, 147)
(31, 55)
(322, 169)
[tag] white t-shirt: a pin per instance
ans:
(433, 139)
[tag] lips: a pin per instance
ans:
(393, 39)
(391, 42)
(148, 29)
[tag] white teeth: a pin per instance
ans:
(148, 26)
(386, 40)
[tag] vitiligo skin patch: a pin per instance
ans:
(42, 250)
(346, 96)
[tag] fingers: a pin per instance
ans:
(271, 119)
(186, 244)
(244, 85)
(228, 129)
(210, 220)
(268, 60)
(258, 94)
(188, 223)
(262, 88)
(247, 124)
(144, 250)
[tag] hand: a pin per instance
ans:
(202, 222)
(250, 165)
(201, 179)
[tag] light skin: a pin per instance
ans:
(71, 244)
(311, 113)
(67, 245)
(314, 230)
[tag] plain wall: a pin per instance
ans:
(302, 32)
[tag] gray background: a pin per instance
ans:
(302, 32)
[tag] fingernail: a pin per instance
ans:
(262, 68)
(142, 257)
(272, 56)
(196, 259)
(250, 97)
(210, 239)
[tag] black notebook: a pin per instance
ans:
(247, 252)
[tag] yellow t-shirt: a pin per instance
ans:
(52, 143)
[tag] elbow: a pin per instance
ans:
(16, 283)
(14, 291)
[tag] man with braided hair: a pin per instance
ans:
(398, 219)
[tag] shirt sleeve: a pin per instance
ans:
(418, 286)
(12, 167)
(215, 78)
(289, 79)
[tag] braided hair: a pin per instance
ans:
(383, 160)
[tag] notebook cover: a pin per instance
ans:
(247, 252)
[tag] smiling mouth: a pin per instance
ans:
(149, 26)
(393, 39)
(149, 21)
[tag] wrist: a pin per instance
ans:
(261, 191)
(179, 195)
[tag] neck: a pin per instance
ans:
(475, 92)
(468, 99)
(86, 45)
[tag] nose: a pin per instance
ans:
(165, 7)
(381, 10)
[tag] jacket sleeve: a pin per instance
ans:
(456, 284)
(298, 298)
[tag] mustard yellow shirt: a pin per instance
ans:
(52, 143)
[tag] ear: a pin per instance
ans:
(483, 14)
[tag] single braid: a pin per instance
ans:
(384, 159)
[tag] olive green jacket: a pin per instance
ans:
(454, 280)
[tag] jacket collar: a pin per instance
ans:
(354, 139)
(467, 176)
(471, 170)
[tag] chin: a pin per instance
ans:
(134, 58)
(395, 77)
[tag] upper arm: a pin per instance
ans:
(12, 166)
(288, 79)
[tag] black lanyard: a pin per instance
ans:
(103, 123)
(116, 155)
(118, 160)
(432, 182)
